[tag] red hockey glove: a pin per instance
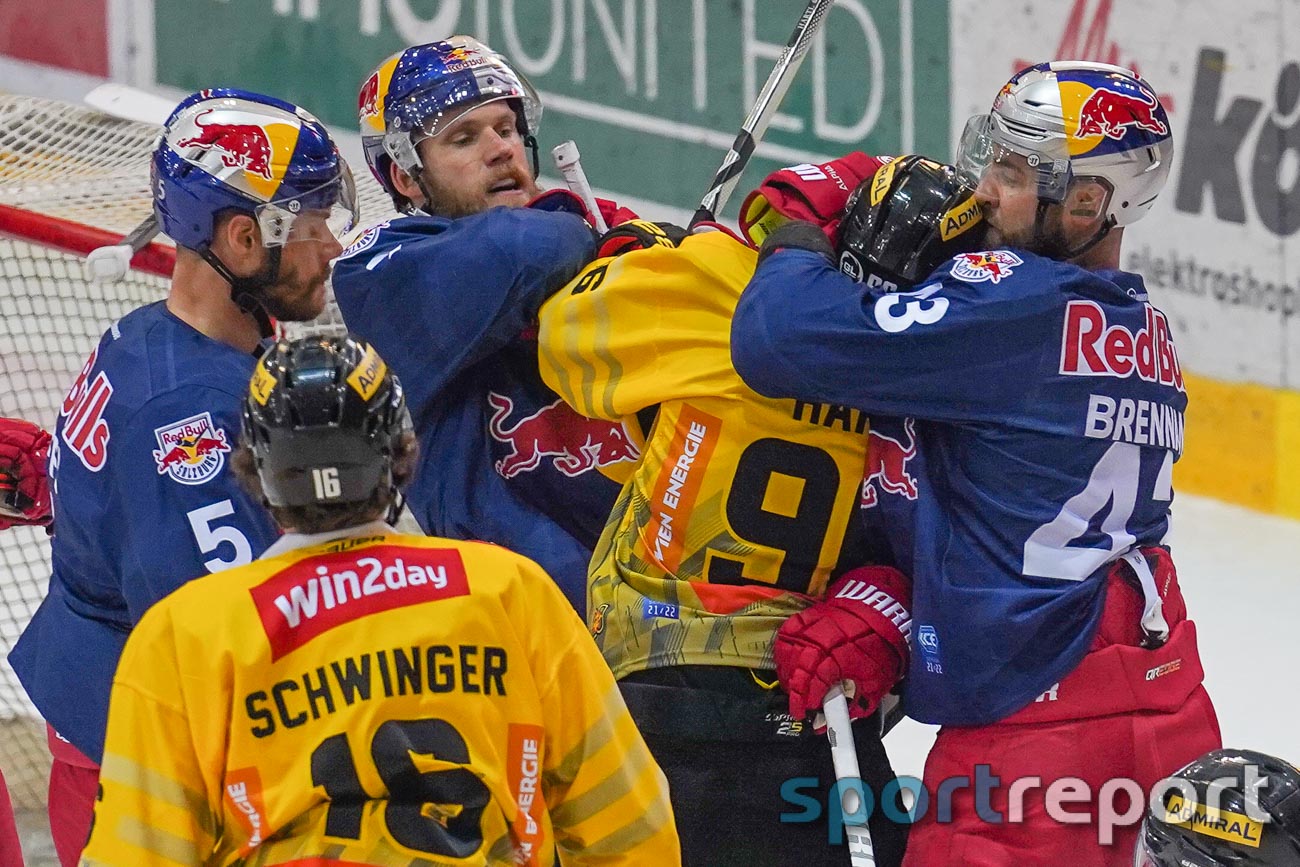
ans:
(568, 202)
(614, 213)
(638, 235)
(859, 632)
(807, 192)
(24, 490)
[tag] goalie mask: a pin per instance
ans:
(324, 417)
(909, 218)
(1235, 808)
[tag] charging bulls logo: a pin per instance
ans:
(574, 442)
(241, 145)
(192, 450)
(992, 266)
(887, 466)
(1110, 113)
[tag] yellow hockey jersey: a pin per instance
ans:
(377, 699)
(742, 507)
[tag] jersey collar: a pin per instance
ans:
(294, 541)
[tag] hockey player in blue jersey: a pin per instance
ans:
(1026, 409)
(449, 293)
(255, 195)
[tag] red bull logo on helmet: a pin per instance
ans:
(575, 443)
(887, 466)
(241, 148)
(368, 98)
(1120, 117)
(1111, 113)
(191, 451)
(242, 145)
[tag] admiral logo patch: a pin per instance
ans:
(369, 374)
(261, 385)
(991, 266)
(192, 451)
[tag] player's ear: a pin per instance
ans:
(238, 234)
(404, 183)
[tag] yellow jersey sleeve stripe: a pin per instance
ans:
(657, 814)
(596, 737)
(156, 786)
(131, 831)
(622, 780)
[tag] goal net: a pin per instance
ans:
(71, 179)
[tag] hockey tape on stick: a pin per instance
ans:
(567, 158)
(110, 264)
(760, 116)
(844, 755)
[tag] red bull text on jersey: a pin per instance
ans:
(1026, 415)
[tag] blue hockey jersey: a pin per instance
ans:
(144, 500)
(1025, 418)
(450, 305)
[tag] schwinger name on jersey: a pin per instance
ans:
(315, 595)
(192, 450)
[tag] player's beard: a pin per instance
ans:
(296, 296)
(1050, 242)
(453, 201)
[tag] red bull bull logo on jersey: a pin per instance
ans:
(191, 451)
(575, 443)
(887, 466)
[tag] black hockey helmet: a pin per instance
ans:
(1181, 834)
(323, 417)
(906, 220)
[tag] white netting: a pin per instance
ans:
(74, 163)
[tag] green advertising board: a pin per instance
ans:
(653, 91)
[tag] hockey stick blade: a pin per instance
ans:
(765, 106)
(844, 756)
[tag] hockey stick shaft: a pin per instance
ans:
(765, 106)
(844, 755)
(567, 160)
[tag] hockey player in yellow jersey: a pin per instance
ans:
(362, 697)
(740, 514)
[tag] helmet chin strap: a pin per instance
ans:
(530, 142)
(1054, 245)
(247, 292)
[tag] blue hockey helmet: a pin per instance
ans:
(370, 117)
(231, 150)
(429, 82)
